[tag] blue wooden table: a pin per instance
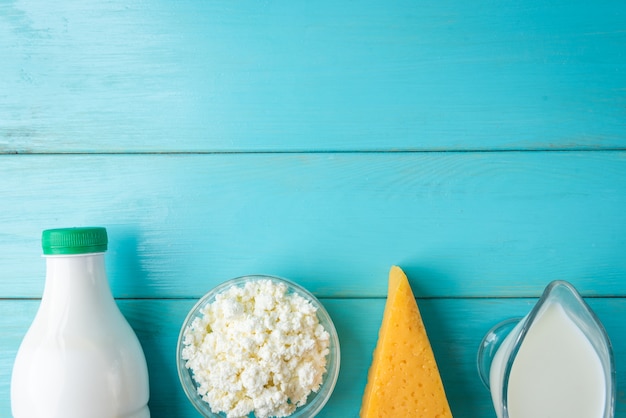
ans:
(479, 145)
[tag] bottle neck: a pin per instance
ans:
(76, 280)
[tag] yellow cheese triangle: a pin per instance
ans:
(403, 380)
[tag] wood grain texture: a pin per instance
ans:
(455, 329)
(162, 76)
(322, 142)
(461, 224)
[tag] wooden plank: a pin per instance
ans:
(461, 224)
(455, 327)
(134, 76)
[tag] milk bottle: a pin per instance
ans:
(80, 358)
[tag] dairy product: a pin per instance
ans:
(256, 348)
(556, 373)
(80, 358)
(403, 380)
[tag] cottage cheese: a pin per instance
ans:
(257, 348)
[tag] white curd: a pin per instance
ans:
(257, 348)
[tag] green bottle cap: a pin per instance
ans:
(74, 240)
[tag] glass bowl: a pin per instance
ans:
(315, 401)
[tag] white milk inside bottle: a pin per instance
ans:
(80, 358)
(556, 373)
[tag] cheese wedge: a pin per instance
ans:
(403, 380)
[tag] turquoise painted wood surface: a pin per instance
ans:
(481, 146)
(462, 224)
(128, 75)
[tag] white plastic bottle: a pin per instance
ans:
(80, 358)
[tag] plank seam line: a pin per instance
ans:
(373, 151)
(191, 298)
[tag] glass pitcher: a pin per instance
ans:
(556, 361)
